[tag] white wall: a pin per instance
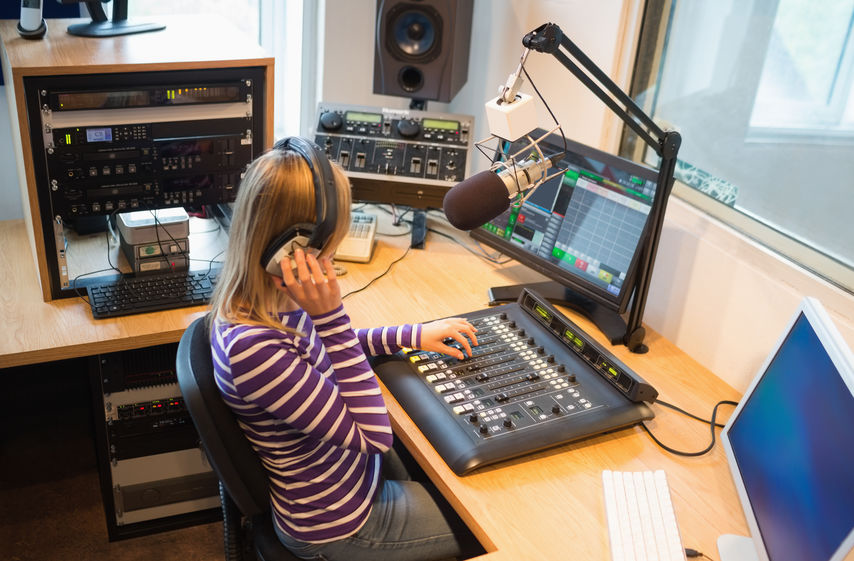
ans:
(716, 294)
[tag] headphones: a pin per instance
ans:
(306, 235)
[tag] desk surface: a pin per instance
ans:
(543, 506)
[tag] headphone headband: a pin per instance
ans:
(326, 206)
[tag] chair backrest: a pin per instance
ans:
(230, 454)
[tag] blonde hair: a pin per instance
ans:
(276, 192)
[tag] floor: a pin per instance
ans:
(50, 500)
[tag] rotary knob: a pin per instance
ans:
(331, 121)
(508, 423)
(408, 128)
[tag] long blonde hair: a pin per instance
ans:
(276, 192)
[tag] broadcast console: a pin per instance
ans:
(401, 156)
(534, 380)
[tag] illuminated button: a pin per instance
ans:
(431, 378)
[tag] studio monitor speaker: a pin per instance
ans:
(421, 48)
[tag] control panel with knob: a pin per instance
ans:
(534, 380)
(402, 156)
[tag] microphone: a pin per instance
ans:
(475, 201)
(31, 25)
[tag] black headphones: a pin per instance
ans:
(304, 234)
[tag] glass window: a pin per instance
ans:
(243, 14)
(761, 93)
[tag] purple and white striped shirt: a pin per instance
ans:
(311, 407)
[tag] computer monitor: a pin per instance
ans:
(585, 229)
(790, 447)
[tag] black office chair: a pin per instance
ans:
(247, 520)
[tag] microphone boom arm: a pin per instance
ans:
(549, 39)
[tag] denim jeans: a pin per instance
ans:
(407, 523)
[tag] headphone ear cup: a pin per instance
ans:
(282, 246)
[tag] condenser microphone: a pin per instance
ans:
(475, 201)
(31, 25)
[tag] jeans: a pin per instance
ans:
(406, 524)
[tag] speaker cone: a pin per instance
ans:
(413, 33)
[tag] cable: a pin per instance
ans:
(691, 553)
(712, 424)
(381, 275)
(675, 408)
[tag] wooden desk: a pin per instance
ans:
(544, 506)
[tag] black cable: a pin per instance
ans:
(565, 147)
(692, 553)
(675, 408)
(381, 275)
(712, 424)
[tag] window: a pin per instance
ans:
(278, 27)
(761, 93)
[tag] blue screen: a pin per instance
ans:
(793, 442)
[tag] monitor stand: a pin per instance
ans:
(608, 321)
(736, 548)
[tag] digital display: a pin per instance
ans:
(441, 124)
(100, 134)
(103, 100)
(573, 338)
(202, 94)
(544, 313)
(156, 96)
(584, 228)
(364, 117)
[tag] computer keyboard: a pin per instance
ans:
(641, 520)
(151, 293)
(358, 246)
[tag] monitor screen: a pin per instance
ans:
(791, 447)
(583, 228)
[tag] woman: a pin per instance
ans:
(296, 375)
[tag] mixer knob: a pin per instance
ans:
(541, 350)
(512, 324)
(508, 423)
(551, 359)
(556, 409)
(530, 339)
(521, 333)
(331, 121)
(408, 128)
(473, 418)
(483, 429)
(502, 316)
(571, 378)
(561, 368)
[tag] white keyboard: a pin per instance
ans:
(358, 246)
(641, 520)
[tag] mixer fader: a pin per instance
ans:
(534, 380)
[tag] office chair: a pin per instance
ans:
(247, 519)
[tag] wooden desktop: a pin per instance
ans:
(546, 505)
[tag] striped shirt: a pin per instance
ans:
(311, 407)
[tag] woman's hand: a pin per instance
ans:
(434, 334)
(315, 291)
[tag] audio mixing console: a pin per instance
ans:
(535, 380)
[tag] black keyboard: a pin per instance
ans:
(151, 293)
